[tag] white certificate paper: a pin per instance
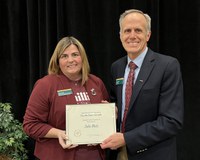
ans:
(90, 123)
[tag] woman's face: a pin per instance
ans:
(70, 62)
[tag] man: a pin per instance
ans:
(147, 131)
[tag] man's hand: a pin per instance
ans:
(114, 141)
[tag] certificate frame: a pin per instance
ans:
(90, 123)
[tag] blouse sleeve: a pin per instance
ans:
(37, 111)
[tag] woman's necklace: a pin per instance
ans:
(76, 83)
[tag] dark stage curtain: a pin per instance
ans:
(30, 30)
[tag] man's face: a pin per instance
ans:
(134, 35)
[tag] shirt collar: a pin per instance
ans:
(139, 59)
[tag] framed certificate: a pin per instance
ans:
(90, 123)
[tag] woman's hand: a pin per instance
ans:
(62, 138)
(116, 109)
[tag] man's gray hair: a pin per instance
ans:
(147, 17)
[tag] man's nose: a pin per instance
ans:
(132, 34)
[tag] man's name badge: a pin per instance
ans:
(119, 81)
(64, 92)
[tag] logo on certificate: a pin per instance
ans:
(77, 133)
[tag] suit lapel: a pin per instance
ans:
(143, 75)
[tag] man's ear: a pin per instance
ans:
(148, 36)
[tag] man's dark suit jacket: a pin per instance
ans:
(156, 108)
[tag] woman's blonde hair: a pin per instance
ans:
(65, 42)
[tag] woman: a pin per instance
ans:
(44, 119)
